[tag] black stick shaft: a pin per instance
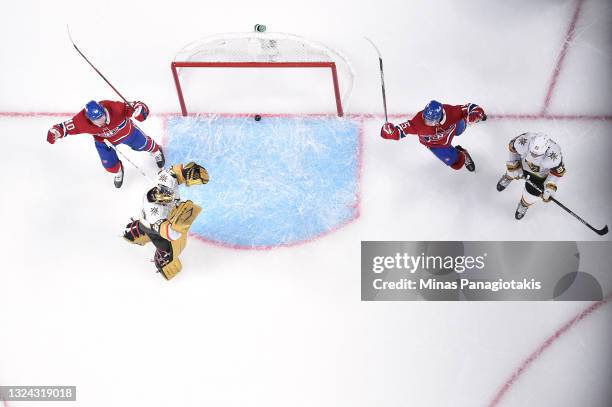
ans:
(97, 71)
(382, 77)
(600, 232)
(382, 81)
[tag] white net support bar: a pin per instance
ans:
(264, 50)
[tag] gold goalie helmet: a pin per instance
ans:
(161, 194)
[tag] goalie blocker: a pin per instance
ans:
(165, 219)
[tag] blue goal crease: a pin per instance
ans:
(273, 182)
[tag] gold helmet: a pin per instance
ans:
(160, 194)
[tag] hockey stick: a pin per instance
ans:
(382, 76)
(600, 232)
(96, 69)
(109, 144)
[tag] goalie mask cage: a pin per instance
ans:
(264, 50)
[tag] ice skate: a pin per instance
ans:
(160, 159)
(521, 210)
(503, 182)
(118, 180)
(469, 163)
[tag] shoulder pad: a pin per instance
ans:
(553, 156)
(521, 143)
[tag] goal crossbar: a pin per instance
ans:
(190, 64)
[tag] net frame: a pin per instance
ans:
(263, 50)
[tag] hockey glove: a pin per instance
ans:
(474, 113)
(56, 132)
(390, 132)
(195, 174)
(141, 111)
(549, 191)
(133, 233)
(190, 174)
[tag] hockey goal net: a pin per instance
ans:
(263, 50)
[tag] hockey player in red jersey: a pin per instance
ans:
(110, 122)
(436, 126)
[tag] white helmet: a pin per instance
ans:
(538, 145)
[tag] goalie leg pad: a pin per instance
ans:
(171, 269)
(179, 244)
(167, 263)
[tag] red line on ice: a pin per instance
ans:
(360, 116)
(543, 347)
(569, 36)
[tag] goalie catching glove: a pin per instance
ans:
(190, 174)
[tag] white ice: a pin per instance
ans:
(286, 327)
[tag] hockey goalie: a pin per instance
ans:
(538, 159)
(165, 219)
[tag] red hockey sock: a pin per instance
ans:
(151, 145)
(460, 161)
(115, 168)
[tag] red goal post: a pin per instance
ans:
(264, 50)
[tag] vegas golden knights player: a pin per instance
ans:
(165, 219)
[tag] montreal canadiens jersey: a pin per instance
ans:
(118, 124)
(548, 164)
(440, 135)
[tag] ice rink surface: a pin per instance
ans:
(285, 326)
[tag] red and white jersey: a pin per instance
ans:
(118, 124)
(440, 135)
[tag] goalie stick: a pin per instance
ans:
(600, 232)
(382, 76)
